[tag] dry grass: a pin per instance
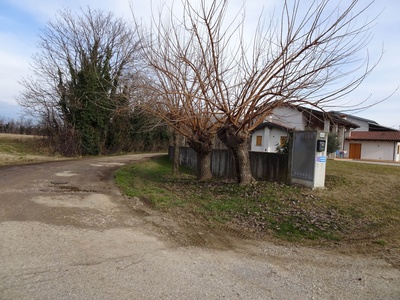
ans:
(11, 136)
(369, 195)
(23, 149)
(371, 191)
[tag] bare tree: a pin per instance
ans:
(309, 57)
(176, 92)
(172, 99)
(309, 54)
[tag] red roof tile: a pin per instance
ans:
(375, 135)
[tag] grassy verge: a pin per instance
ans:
(361, 204)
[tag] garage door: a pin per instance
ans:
(355, 151)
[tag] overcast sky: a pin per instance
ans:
(22, 20)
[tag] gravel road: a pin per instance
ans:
(66, 232)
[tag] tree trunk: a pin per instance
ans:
(237, 142)
(204, 166)
(242, 163)
(202, 144)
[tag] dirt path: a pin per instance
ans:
(67, 233)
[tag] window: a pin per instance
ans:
(283, 141)
(259, 140)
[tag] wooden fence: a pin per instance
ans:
(264, 166)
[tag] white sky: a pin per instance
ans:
(22, 20)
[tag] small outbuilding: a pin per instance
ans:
(373, 145)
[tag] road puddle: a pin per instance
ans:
(104, 164)
(66, 174)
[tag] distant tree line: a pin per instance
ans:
(19, 126)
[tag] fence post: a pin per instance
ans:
(290, 158)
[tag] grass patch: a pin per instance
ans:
(380, 242)
(368, 197)
(145, 180)
(358, 198)
(367, 194)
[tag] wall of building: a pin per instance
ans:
(397, 152)
(364, 126)
(270, 139)
(376, 150)
(290, 117)
(264, 134)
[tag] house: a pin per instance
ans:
(374, 145)
(359, 138)
(370, 140)
(273, 133)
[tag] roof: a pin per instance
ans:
(375, 135)
(333, 116)
(377, 127)
(344, 115)
(373, 126)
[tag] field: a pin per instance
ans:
(357, 212)
(23, 149)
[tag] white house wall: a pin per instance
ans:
(376, 150)
(288, 116)
(256, 133)
(397, 152)
(270, 139)
(275, 135)
(364, 125)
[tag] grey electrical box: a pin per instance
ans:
(308, 158)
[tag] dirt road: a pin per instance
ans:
(66, 232)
